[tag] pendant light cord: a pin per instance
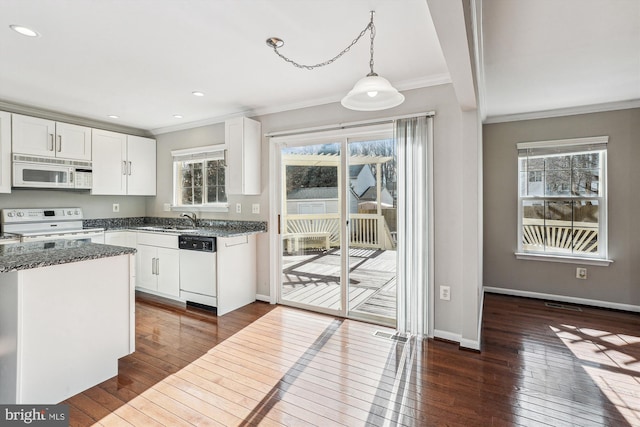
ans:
(370, 26)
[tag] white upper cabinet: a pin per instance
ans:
(41, 137)
(123, 164)
(5, 152)
(242, 137)
(109, 157)
(141, 165)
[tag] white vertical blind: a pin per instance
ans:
(414, 138)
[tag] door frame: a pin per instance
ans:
(276, 143)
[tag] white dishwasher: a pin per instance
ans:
(198, 270)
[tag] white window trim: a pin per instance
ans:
(198, 153)
(600, 260)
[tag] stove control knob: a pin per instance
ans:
(20, 214)
(77, 212)
(10, 214)
(69, 212)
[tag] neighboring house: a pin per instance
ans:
(317, 200)
(322, 200)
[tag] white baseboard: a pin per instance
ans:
(265, 298)
(562, 298)
(445, 335)
(470, 344)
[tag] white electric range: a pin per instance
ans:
(36, 224)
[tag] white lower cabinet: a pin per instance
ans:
(120, 238)
(236, 272)
(158, 262)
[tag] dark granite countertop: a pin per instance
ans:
(8, 236)
(206, 227)
(199, 231)
(23, 256)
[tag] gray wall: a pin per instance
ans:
(453, 190)
(618, 283)
(92, 206)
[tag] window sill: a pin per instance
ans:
(190, 208)
(564, 259)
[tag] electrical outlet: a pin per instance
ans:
(116, 207)
(581, 273)
(238, 207)
(445, 293)
(255, 208)
(167, 207)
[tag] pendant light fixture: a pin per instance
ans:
(370, 93)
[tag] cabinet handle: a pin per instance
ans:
(157, 266)
(50, 148)
(153, 266)
(59, 145)
(129, 168)
(124, 167)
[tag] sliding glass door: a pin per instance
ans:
(311, 227)
(338, 200)
(372, 208)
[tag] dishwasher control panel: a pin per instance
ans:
(197, 243)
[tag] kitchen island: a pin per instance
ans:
(66, 317)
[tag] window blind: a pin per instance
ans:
(210, 152)
(577, 145)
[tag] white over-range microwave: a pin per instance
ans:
(43, 172)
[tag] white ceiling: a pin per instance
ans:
(542, 55)
(141, 59)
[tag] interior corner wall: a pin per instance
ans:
(472, 229)
(618, 283)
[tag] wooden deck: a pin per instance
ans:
(314, 279)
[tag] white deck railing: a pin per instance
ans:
(367, 230)
(562, 236)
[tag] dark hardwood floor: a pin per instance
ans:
(272, 365)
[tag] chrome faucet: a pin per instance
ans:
(191, 216)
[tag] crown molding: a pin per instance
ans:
(560, 112)
(436, 80)
(27, 110)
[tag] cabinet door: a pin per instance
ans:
(145, 270)
(32, 135)
(120, 238)
(237, 273)
(168, 271)
(73, 142)
(109, 151)
(5, 152)
(242, 137)
(141, 166)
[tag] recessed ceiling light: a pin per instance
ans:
(196, 93)
(113, 116)
(24, 31)
(177, 116)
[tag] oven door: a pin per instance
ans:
(33, 175)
